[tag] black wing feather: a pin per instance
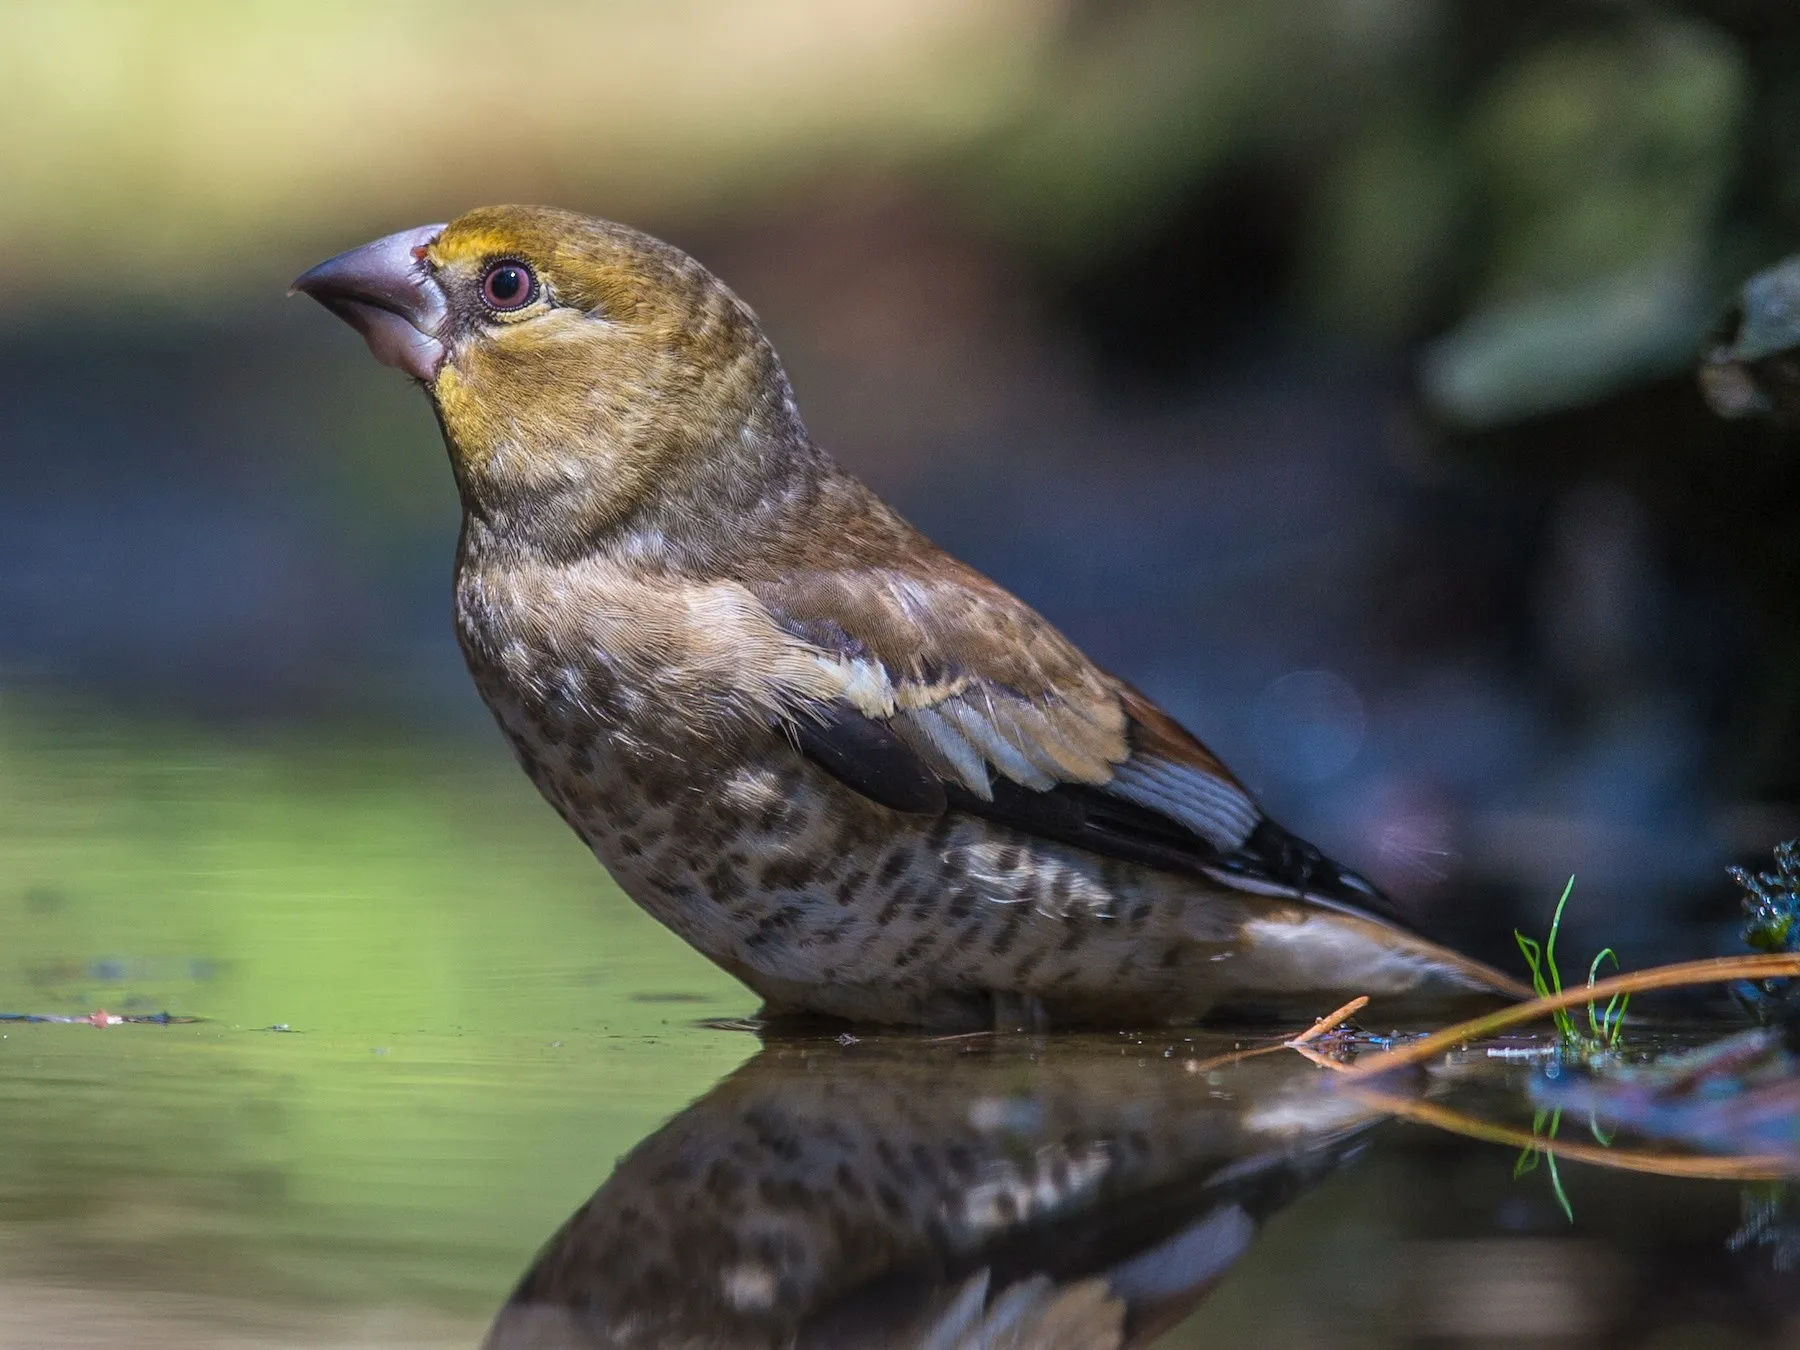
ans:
(1094, 819)
(865, 755)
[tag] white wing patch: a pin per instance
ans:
(985, 732)
(948, 752)
(968, 731)
(1218, 811)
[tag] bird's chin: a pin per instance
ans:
(392, 339)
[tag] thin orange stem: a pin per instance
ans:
(1742, 1168)
(1307, 1052)
(1330, 1020)
(1714, 970)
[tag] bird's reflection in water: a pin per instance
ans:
(1076, 1193)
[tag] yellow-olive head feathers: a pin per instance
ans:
(607, 364)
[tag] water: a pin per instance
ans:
(430, 1028)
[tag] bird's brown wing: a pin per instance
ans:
(956, 695)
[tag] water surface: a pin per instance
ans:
(428, 1029)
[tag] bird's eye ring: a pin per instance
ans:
(508, 284)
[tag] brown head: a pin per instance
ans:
(581, 370)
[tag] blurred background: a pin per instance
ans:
(1324, 367)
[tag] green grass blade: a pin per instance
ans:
(1527, 1160)
(1550, 946)
(1533, 954)
(1562, 1196)
(1601, 1026)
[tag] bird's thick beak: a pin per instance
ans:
(385, 292)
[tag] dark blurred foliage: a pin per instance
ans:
(1328, 370)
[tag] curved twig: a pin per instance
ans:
(1772, 1167)
(1714, 970)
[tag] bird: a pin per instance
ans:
(852, 771)
(902, 1191)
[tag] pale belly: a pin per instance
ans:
(824, 902)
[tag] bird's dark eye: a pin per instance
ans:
(508, 285)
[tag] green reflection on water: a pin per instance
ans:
(481, 1023)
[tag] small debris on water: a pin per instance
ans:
(100, 1018)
